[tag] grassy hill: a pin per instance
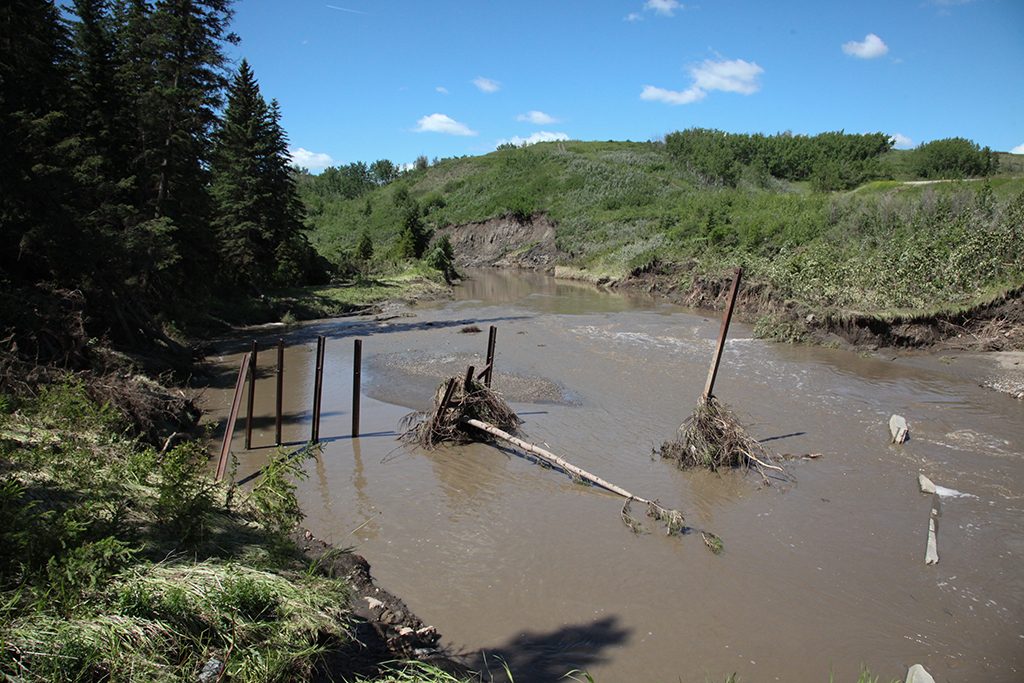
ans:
(885, 248)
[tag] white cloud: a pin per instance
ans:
(901, 141)
(540, 136)
(441, 89)
(1019, 149)
(872, 46)
(654, 94)
(314, 161)
(728, 75)
(486, 84)
(632, 16)
(663, 7)
(537, 117)
(441, 123)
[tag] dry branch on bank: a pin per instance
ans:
(713, 438)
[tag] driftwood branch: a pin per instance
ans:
(673, 519)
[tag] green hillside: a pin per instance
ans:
(880, 247)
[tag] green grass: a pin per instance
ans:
(884, 249)
(389, 281)
(121, 563)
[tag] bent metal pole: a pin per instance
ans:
(229, 430)
(713, 372)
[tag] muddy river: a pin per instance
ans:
(517, 563)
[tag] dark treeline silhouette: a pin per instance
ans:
(125, 178)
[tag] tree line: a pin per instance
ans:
(136, 166)
(829, 161)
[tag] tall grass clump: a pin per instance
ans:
(120, 562)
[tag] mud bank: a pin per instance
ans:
(384, 630)
(505, 242)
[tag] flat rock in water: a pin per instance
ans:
(925, 484)
(899, 429)
(917, 674)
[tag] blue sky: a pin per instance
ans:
(360, 80)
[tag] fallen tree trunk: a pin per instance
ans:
(673, 519)
(554, 460)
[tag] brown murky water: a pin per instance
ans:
(825, 575)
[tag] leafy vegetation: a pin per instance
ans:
(883, 249)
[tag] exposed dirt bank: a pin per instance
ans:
(505, 242)
(384, 630)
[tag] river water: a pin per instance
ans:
(517, 563)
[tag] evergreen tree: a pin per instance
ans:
(413, 237)
(258, 214)
(178, 64)
(37, 224)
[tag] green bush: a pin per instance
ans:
(953, 158)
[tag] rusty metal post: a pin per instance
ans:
(316, 391)
(252, 396)
(278, 423)
(443, 406)
(469, 378)
(320, 387)
(229, 429)
(492, 337)
(726, 318)
(357, 372)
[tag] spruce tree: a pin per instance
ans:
(37, 226)
(258, 214)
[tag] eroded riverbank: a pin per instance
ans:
(827, 575)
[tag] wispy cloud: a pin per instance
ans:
(346, 9)
(871, 47)
(537, 117)
(442, 123)
(441, 89)
(901, 141)
(539, 136)
(1019, 149)
(633, 16)
(486, 84)
(727, 75)
(314, 161)
(688, 96)
(665, 8)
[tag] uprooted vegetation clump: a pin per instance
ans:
(713, 438)
(467, 398)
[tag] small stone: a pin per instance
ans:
(309, 535)
(917, 674)
(405, 632)
(925, 484)
(211, 671)
(373, 603)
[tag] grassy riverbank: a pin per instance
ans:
(392, 281)
(119, 561)
(884, 250)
